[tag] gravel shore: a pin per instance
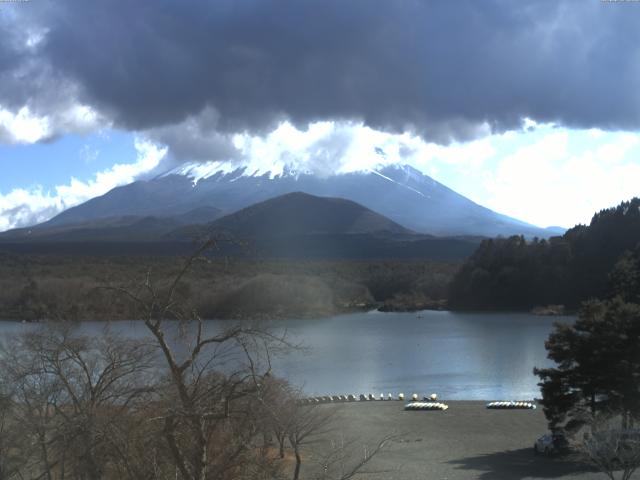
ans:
(467, 441)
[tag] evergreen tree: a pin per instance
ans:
(625, 277)
(598, 366)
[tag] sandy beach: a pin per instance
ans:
(467, 441)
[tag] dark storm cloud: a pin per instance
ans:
(442, 68)
(195, 139)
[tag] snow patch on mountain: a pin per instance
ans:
(398, 183)
(198, 171)
(224, 170)
(202, 171)
(290, 164)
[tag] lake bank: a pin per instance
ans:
(467, 441)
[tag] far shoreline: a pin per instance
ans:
(308, 316)
(313, 315)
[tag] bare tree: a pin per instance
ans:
(306, 425)
(224, 403)
(207, 423)
(12, 445)
(34, 395)
(275, 403)
(311, 431)
(72, 391)
(611, 449)
(192, 401)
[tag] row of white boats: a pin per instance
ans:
(508, 405)
(426, 406)
(512, 405)
(429, 402)
(364, 398)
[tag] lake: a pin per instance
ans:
(459, 356)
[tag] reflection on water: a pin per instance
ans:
(461, 356)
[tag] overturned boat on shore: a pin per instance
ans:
(511, 405)
(426, 406)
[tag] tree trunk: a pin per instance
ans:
(176, 453)
(296, 473)
(91, 467)
(45, 456)
(202, 446)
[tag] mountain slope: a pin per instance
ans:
(303, 214)
(401, 193)
(294, 225)
(123, 228)
(299, 225)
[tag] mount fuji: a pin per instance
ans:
(201, 193)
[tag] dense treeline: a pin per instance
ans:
(73, 287)
(586, 262)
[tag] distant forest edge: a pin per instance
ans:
(600, 260)
(34, 287)
(318, 247)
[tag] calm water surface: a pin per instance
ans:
(461, 356)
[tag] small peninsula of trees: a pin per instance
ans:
(586, 262)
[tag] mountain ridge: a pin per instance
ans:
(299, 213)
(293, 225)
(399, 192)
(131, 227)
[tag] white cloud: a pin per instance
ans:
(616, 151)
(25, 126)
(544, 175)
(541, 174)
(22, 126)
(325, 148)
(465, 157)
(22, 207)
(553, 182)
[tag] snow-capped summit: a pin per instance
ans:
(198, 171)
(399, 192)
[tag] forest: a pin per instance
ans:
(599, 260)
(75, 287)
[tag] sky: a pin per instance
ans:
(528, 108)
